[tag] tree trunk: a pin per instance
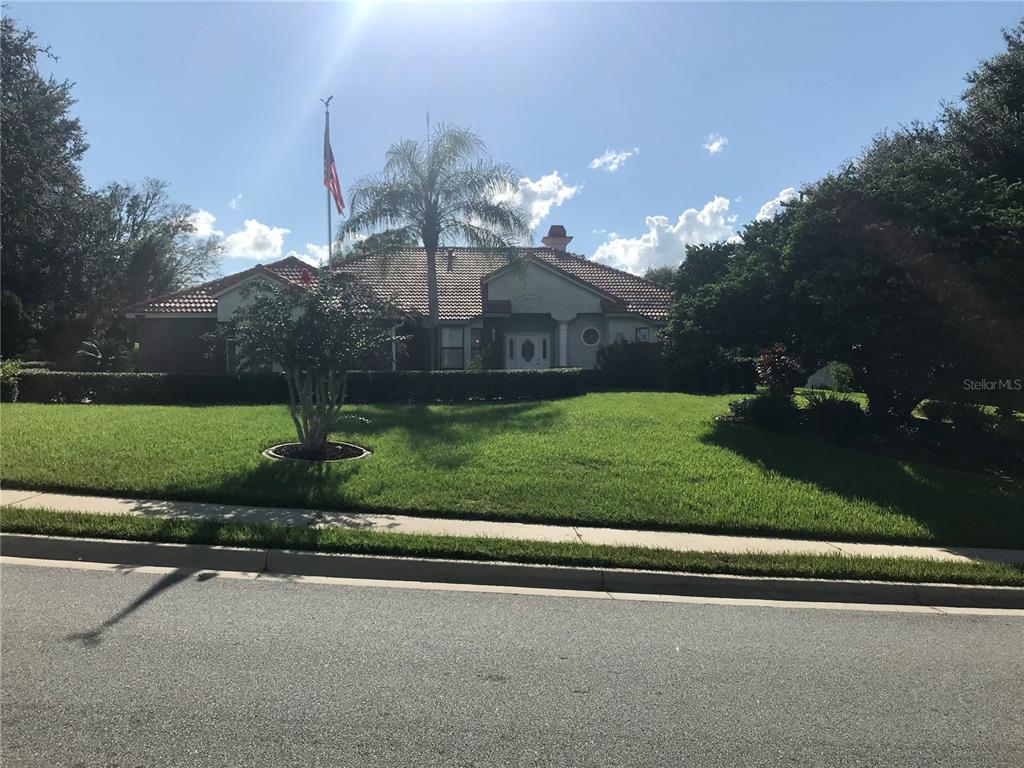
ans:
(432, 310)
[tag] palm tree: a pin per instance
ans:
(443, 191)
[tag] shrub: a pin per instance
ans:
(971, 420)
(935, 410)
(10, 371)
(772, 412)
(842, 376)
(833, 417)
(39, 386)
(778, 371)
(632, 365)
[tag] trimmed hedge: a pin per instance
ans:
(38, 386)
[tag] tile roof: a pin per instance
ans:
(401, 278)
(201, 299)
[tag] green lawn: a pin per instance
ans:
(336, 539)
(618, 459)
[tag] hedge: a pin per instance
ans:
(38, 386)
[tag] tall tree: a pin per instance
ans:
(443, 191)
(42, 199)
(149, 244)
(907, 265)
(72, 259)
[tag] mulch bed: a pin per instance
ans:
(332, 452)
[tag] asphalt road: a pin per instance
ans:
(131, 669)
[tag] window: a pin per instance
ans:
(590, 336)
(453, 352)
(643, 334)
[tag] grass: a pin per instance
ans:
(191, 531)
(649, 460)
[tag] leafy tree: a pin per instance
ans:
(907, 265)
(72, 259)
(146, 246)
(445, 190)
(316, 334)
(42, 198)
(663, 276)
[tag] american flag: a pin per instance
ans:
(331, 170)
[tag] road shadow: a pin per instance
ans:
(93, 637)
(968, 509)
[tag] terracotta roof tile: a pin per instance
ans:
(401, 278)
(200, 299)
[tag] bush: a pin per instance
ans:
(630, 365)
(772, 412)
(10, 373)
(39, 386)
(842, 376)
(971, 420)
(833, 417)
(779, 372)
(935, 410)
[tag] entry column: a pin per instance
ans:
(563, 344)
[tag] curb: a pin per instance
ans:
(298, 563)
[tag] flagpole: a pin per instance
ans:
(327, 127)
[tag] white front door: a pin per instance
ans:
(527, 350)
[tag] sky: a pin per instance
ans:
(640, 127)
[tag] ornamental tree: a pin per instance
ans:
(315, 332)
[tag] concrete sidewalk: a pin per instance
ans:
(678, 541)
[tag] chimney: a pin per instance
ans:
(451, 258)
(556, 239)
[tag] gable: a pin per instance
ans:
(530, 287)
(235, 296)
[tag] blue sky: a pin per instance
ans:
(221, 100)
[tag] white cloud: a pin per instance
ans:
(314, 255)
(202, 223)
(256, 240)
(538, 197)
(664, 243)
(715, 143)
(774, 207)
(235, 201)
(613, 159)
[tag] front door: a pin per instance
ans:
(527, 350)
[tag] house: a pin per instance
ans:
(543, 308)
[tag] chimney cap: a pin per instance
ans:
(556, 230)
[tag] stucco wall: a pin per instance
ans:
(533, 289)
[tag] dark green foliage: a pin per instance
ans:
(836, 418)
(971, 421)
(663, 276)
(906, 265)
(779, 372)
(772, 412)
(10, 381)
(72, 258)
(39, 386)
(630, 365)
(842, 377)
(935, 410)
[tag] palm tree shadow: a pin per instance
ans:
(956, 508)
(92, 637)
(448, 438)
